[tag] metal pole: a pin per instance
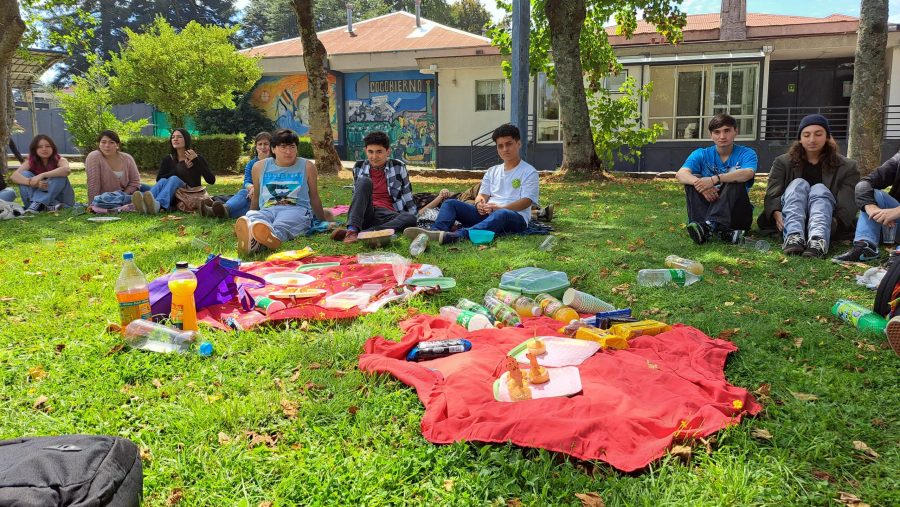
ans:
(30, 97)
(521, 26)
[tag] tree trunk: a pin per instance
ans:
(869, 76)
(565, 19)
(314, 57)
(11, 29)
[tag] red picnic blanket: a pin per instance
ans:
(334, 279)
(634, 403)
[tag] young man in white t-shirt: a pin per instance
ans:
(503, 204)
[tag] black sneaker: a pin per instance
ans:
(861, 252)
(735, 237)
(699, 232)
(816, 248)
(34, 208)
(794, 244)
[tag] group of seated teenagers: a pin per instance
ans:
(279, 199)
(812, 195)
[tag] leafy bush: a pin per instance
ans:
(305, 149)
(245, 119)
(221, 151)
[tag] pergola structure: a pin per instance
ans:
(27, 69)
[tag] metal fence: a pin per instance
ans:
(781, 123)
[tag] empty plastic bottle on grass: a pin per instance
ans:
(548, 244)
(660, 277)
(132, 292)
(760, 245)
(676, 262)
(863, 318)
(523, 305)
(470, 320)
(472, 306)
(502, 312)
(554, 309)
(418, 246)
(147, 335)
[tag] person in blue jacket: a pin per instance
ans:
(239, 204)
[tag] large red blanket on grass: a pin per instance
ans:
(634, 404)
(334, 279)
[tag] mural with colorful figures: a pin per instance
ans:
(403, 104)
(285, 99)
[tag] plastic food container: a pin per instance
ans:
(532, 281)
(376, 257)
(347, 299)
(480, 236)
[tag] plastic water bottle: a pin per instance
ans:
(863, 318)
(472, 306)
(182, 284)
(502, 312)
(554, 309)
(418, 246)
(660, 277)
(676, 262)
(523, 305)
(427, 350)
(470, 320)
(548, 243)
(760, 245)
(147, 335)
(132, 292)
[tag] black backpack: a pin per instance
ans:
(73, 470)
(888, 290)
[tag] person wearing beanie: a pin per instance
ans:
(717, 181)
(880, 211)
(810, 194)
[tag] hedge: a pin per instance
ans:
(221, 151)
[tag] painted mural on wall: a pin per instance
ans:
(403, 104)
(285, 99)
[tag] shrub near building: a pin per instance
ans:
(221, 151)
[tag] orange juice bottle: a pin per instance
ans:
(132, 292)
(182, 284)
(554, 308)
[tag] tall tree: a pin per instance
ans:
(569, 44)
(869, 76)
(314, 58)
(470, 16)
(180, 73)
(268, 21)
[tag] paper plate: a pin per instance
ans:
(104, 219)
(432, 281)
(296, 293)
(288, 278)
(316, 265)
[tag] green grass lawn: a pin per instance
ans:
(355, 439)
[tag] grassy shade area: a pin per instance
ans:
(284, 415)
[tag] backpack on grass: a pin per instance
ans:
(71, 470)
(887, 295)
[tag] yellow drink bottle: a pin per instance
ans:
(554, 308)
(182, 284)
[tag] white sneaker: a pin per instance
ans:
(246, 243)
(151, 205)
(137, 200)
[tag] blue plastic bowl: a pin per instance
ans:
(480, 236)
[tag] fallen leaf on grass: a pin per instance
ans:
(720, 270)
(879, 423)
(728, 303)
(448, 484)
(171, 218)
(296, 374)
(513, 502)
(805, 396)
(37, 372)
(604, 273)
(353, 409)
(289, 408)
(39, 403)
(591, 499)
(823, 476)
(850, 499)
(339, 373)
(761, 433)
(223, 438)
(859, 445)
(313, 366)
(265, 503)
(6, 299)
(59, 347)
(144, 453)
(682, 452)
(112, 327)
(156, 383)
(257, 439)
(781, 333)
(85, 277)
(621, 289)
(726, 334)
(310, 386)
(483, 247)
(798, 342)
(174, 497)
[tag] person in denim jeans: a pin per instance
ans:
(810, 194)
(879, 209)
(44, 177)
(238, 204)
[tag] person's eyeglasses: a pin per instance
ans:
(287, 146)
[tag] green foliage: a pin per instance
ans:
(181, 73)
(221, 151)
(616, 122)
(609, 118)
(304, 148)
(245, 119)
(88, 110)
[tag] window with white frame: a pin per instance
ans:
(614, 83)
(685, 97)
(490, 95)
(548, 124)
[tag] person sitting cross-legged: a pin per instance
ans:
(878, 209)
(287, 196)
(503, 204)
(717, 181)
(43, 178)
(382, 193)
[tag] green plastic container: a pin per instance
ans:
(532, 281)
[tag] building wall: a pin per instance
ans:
(459, 121)
(285, 99)
(403, 104)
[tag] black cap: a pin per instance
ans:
(181, 265)
(814, 119)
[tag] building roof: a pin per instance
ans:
(392, 32)
(700, 27)
(24, 71)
